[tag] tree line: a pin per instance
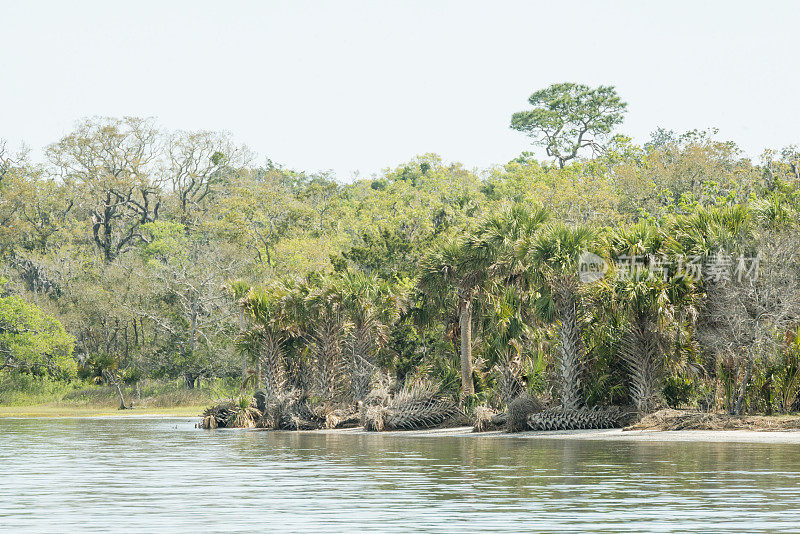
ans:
(615, 274)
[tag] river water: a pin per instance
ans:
(144, 475)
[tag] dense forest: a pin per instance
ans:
(603, 274)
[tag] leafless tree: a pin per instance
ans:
(743, 322)
(195, 165)
(191, 306)
(109, 164)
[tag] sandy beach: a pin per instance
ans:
(615, 434)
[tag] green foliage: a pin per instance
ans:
(568, 116)
(165, 241)
(534, 369)
(25, 389)
(170, 255)
(386, 254)
(31, 340)
(678, 391)
(21, 388)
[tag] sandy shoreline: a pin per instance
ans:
(616, 434)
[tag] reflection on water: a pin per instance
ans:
(157, 475)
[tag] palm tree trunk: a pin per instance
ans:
(362, 369)
(271, 361)
(465, 320)
(570, 350)
(327, 349)
(641, 353)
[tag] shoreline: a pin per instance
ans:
(611, 435)
(614, 434)
(49, 411)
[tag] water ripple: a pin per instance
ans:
(162, 475)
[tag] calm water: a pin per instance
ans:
(158, 475)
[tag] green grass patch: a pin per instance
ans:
(26, 394)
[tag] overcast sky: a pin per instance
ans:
(364, 85)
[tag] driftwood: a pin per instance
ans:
(218, 415)
(485, 420)
(231, 414)
(343, 418)
(668, 419)
(290, 410)
(415, 407)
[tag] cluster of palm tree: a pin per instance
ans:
(321, 334)
(510, 296)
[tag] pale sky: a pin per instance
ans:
(347, 85)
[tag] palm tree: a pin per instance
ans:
(497, 241)
(237, 290)
(450, 274)
(308, 311)
(325, 327)
(553, 258)
(506, 331)
(648, 296)
(495, 245)
(265, 306)
(372, 306)
(738, 322)
(708, 230)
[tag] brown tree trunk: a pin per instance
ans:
(737, 407)
(465, 320)
(244, 352)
